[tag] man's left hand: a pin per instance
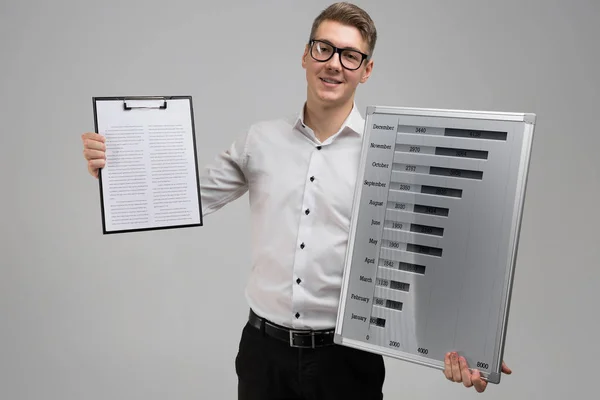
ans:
(457, 370)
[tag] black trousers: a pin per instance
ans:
(269, 369)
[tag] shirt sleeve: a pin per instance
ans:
(224, 180)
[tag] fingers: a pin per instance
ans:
(465, 373)
(96, 163)
(478, 382)
(94, 151)
(93, 136)
(94, 145)
(93, 171)
(454, 368)
(93, 141)
(94, 154)
(456, 375)
(447, 367)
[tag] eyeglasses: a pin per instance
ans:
(322, 51)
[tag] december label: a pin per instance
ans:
(383, 127)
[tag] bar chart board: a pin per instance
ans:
(434, 235)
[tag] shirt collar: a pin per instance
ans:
(354, 122)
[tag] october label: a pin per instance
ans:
(380, 165)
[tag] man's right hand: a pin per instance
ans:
(94, 151)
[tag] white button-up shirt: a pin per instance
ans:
(301, 193)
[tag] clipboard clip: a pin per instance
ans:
(134, 100)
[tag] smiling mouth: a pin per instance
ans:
(330, 81)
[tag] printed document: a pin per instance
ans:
(150, 180)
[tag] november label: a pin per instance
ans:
(381, 146)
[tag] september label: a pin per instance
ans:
(373, 183)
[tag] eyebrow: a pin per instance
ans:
(343, 48)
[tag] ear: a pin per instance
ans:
(304, 56)
(367, 72)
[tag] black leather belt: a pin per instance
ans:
(295, 338)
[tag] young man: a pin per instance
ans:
(300, 173)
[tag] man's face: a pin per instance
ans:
(329, 83)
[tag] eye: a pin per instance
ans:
(323, 49)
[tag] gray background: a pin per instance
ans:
(157, 315)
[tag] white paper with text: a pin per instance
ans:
(150, 180)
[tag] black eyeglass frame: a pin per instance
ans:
(337, 50)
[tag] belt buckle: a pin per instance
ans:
(301, 333)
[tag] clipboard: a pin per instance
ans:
(151, 179)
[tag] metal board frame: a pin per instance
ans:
(367, 300)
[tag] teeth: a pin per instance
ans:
(329, 80)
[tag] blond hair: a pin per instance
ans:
(351, 15)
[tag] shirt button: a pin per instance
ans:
(302, 246)
(297, 315)
(312, 178)
(307, 211)
(318, 147)
(298, 281)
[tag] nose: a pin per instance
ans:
(334, 62)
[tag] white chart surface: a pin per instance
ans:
(434, 235)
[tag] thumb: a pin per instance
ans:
(505, 369)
